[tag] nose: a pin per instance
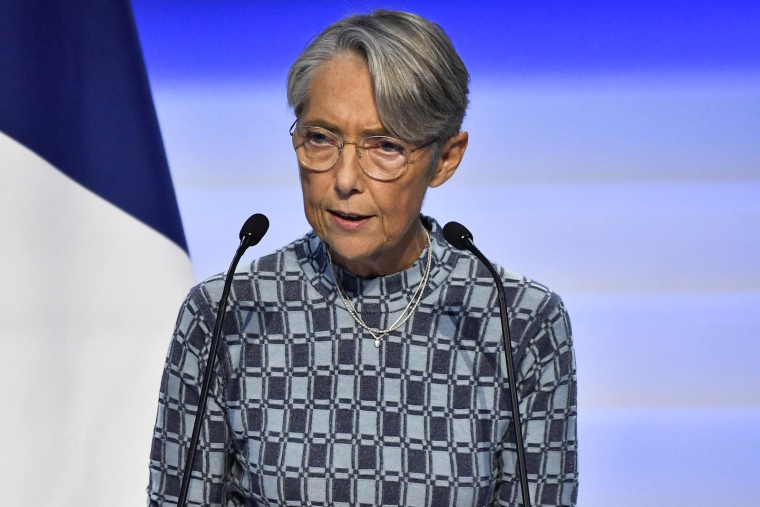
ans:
(348, 173)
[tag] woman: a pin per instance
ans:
(363, 363)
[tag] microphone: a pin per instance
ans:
(461, 238)
(254, 229)
(458, 235)
(251, 233)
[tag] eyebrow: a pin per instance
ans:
(378, 131)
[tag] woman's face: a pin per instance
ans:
(372, 227)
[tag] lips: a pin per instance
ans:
(349, 221)
(349, 216)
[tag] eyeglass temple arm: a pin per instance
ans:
(423, 146)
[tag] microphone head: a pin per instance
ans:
(458, 235)
(254, 229)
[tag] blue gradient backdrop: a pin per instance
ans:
(614, 156)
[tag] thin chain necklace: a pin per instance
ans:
(379, 334)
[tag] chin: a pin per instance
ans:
(350, 249)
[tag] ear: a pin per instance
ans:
(451, 156)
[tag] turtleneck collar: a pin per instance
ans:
(384, 294)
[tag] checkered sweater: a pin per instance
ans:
(305, 410)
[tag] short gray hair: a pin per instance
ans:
(421, 84)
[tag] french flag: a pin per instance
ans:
(93, 263)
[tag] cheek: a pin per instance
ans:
(400, 207)
(310, 189)
(310, 204)
(315, 189)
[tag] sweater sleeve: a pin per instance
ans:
(177, 405)
(548, 408)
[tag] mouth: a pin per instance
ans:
(349, 221)
(353, 217)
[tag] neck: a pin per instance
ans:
(390, 261)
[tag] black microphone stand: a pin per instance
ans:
(252, 232)
(460, 237)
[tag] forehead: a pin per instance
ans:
(341, 97)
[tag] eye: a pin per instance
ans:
(317, 138)
(388, 147)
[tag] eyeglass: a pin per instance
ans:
(318, 149)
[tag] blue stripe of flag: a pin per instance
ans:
(73, 89)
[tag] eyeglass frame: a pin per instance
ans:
(343, 143)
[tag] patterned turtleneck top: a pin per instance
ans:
(306, 411)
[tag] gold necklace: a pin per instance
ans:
(379, 334)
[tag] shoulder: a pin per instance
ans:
(255, 281)
(262, 272)
(535, 309)
(469, 281)
(523, 294)
(537, 315)
(526, 295)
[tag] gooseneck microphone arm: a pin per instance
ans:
(461, 238)
(251, 233)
